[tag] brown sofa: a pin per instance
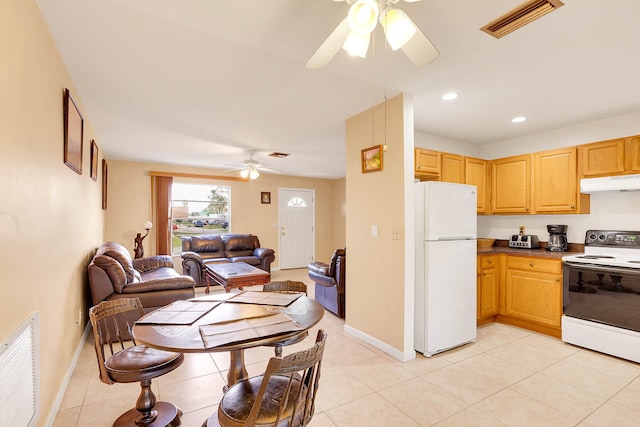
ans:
(330, 280)
(114, 274)
(221, 248)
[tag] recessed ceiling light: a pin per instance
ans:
(518, 119)
(449, 96)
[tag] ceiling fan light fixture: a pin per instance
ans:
(244, 173)
(357, 44)
(253, 174)
(398, 28)
(363, 16)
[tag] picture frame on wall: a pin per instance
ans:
(265, 197)
(73, 133)
(372, 159)
(94, 160)
(105, 168)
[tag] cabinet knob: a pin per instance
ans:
(530, 264)
(573, 207)
(490, 261)
(557, 279)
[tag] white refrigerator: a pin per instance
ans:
(445, 268)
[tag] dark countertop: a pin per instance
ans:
(502, 247)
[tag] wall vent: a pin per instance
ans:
(19, 377)
(520, 16)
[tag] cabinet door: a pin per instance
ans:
(632, 154)
(511, 185)
(602, 158)
(426, 163)
(452, 168)
(487, 286)
(555, 188)
(477, 173)
(533, 295)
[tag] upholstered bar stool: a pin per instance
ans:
(287, 286)
(136, 363)
(283, 396)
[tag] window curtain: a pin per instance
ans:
(161, 201)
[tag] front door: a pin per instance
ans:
(296, 211)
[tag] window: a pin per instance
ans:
(297, 202)
(198, 209)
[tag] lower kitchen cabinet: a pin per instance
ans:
(531, 294)
(488, 275)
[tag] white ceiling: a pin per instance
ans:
(198, 82)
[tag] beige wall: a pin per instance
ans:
(377, 272)
(130, 205)
(51, 218)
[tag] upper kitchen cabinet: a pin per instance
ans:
(632, 154)
(602, 158)
(426, 164)
(555, 183)
(452, 168)
(477, 173)
(511, 185)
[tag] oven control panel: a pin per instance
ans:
(612, 238)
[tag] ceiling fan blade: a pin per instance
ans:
(330, 46)
(268, 170)
(419, 49)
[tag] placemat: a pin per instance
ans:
(246, 329)
(179, 313)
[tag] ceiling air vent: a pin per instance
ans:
(520, 16)
(278, 155)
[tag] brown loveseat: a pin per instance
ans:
(113, 274)
(330, 280)
(220, 248)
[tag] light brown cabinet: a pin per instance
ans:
(477, 173)
(452, 168)
(531, 294)
(632, 154)
(602, 158)
(511, 185)
(555, 183)
(426, 164)
(487, 288)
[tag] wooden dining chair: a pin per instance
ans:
(283, 396)
(128, 362)
(286, 286)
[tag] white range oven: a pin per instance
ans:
(601, 294)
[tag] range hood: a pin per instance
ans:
(610, 183)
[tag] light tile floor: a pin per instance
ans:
(508, 377)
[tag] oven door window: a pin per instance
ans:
(602, 294)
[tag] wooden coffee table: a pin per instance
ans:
(235, 275)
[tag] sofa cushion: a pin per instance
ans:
(120, 254)
(239, 245)
(209, 243)
(113, 269)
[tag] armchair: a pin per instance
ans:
(113, 274)
(330, 280)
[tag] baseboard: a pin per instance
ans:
(53, 411)
(380, 345)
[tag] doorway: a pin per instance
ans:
(296, 211)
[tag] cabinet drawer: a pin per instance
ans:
(488, 261)
(534, 264)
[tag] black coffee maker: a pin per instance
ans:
(557, 238)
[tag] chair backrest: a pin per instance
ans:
(285, 286)
(111, 322)
(303, 365)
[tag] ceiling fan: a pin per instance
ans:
(251, 168)
(354, 33)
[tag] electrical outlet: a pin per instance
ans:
(396, 233)
(522, 229)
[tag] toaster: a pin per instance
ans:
(524, 241)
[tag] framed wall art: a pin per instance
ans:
(104, 183)
(73, 129)
(265, 198)
(94, 160)
(372, 159)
